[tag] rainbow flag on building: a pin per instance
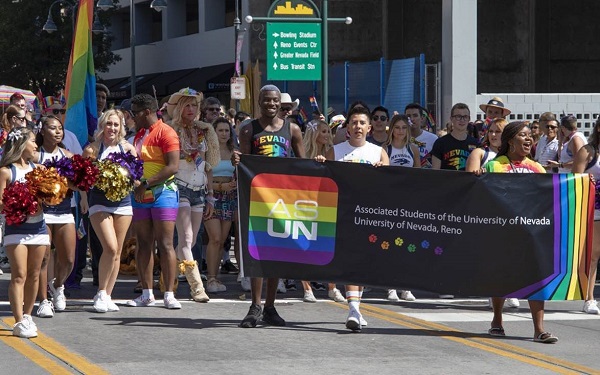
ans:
(81, 78)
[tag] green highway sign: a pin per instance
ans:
(294, 51)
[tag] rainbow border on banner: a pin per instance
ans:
(574, 197)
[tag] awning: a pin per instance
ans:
(214, 78)
(120, 87)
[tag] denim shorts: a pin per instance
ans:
(196, 198)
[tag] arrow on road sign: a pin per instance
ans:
(275, 44)
(275, 55)
(275, 66)
(275, 34)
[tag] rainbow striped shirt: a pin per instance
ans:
(502, 164)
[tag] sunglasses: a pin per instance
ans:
(552, 126)
(57, 111)
(20, 118)
(213, 109)
(285, 109)
(377, 118)
(534, 127)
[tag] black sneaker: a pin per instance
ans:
(290, 284)
(318, 286)
(230, 268)
(270, 316)
(254, 314)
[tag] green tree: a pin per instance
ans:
(31, 58)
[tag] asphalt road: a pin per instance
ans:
(428, 336)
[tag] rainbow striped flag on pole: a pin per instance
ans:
(81, 77)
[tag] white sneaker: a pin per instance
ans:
(591, 307)
(142, 302)
(30, 321)
(110, 305)
(309, 297)
(58, 296)
(281, 287)
(1, 272)
(512, 302)
(446, 296)
(336, 295)
(215, 286)
(393, 295)
(407, 296)
(363, 322)
(100, 303)
(172, 303)
(353, 320)
(246, 285)
(45, 310)
(24, 329)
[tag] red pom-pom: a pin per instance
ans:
(18, 203)
(86, 172)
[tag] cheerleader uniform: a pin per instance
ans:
(97, 199)
(60, 213)
(33, 231)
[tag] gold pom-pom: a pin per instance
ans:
(47, 185)
(114, 180)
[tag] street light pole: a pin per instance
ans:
(157, 5)
(236, 28)
(132, 45)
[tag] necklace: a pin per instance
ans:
(517, 169)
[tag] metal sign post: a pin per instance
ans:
(294, 28)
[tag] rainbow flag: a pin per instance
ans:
(313, 103)
(81, 78)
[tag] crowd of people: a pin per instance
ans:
(187, 195)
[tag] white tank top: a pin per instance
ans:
(367, 154)
(566, 155)
(401, 157)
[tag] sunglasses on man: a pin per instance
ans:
(56, 111)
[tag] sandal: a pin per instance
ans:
(496, 331)
(546, 338)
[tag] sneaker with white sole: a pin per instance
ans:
(58, 296)
(45, 309)
(172, 303)
(246, 285)
(215, 286)
(1, 272)
(353, 320)
(392, 295)
(100, 303)
(309, 297)
(110, 305)
(363, 322)
(513, 302)
(24, 329)
(281, 287)
(407, 296)
(591, 307)
(336, 295)
(31, 322)
(142, 302)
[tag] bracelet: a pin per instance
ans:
(560, 165)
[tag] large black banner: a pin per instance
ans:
(517, 235)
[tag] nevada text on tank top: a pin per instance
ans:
(273, 144)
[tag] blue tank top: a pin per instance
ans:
(223, 169)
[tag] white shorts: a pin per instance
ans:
(27, 239)
(596, 215)
(59, 219)
(123, 211)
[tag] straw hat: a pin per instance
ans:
(287, 99)
(498, 103)
(174, 98)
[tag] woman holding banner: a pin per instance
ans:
(587, 161)
(356, 150)
(481, 156)
(512, 158)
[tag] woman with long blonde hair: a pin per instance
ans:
(199, 154)
(110, 220)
